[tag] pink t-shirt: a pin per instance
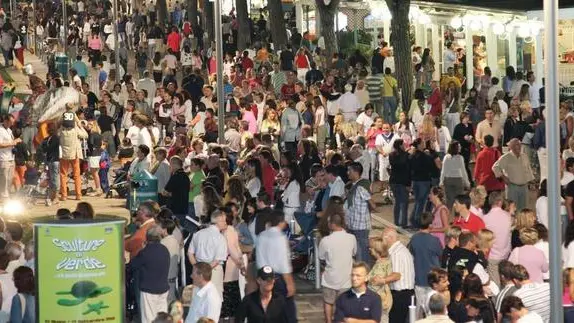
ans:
(250, 118)
(533, 259)
(95, 43)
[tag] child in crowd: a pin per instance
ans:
(105, 164)
(126, 152)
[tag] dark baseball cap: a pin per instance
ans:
(266, 273)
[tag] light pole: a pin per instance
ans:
(65, 23)
(552, 142)
(116, 40)
(219, 58)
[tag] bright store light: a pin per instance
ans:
(523, 31)
(456, 22)
(475, 25)
(424, 19)
(535, 29)
(498, 28)
(13, 208)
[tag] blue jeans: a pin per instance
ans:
(390, 109)
(362, 237)
(104, 181)
(400, 209)
(421, 192)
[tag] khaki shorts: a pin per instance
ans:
(330, 295)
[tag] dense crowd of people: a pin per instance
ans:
(310, 143)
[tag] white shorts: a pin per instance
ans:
(94, 161)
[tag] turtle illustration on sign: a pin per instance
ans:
(81, 291)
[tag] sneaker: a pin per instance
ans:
(48, 202)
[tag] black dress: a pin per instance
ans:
(460, 131)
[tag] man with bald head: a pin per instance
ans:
(402, 279)
(514, 169)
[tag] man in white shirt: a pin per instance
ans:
(130, 26)
(206, 300)
(513, 308)
(172, 245)
(517, 85)
(449, 57)
(349, 104)
(533, 90)
(534, 296)
(210, 246)
(337, 250)
(493, 90)
(148, 84)
(7, 143)
(336, 184)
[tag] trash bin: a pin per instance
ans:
(143, 188)
(62, 65)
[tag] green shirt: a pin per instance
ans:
(196, 179)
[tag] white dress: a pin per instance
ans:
(386, 144)
(291, 203)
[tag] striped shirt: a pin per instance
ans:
(373, 83)
(358, 215)
(536, 298)
(508, 290)
(403, 263)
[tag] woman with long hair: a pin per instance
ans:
(253, 176)
(380, 274)
(320, 124)
(405, 130)
(427, 130)
(157, 68)
(95, 49)
(233, 266)
(271, 123)
(428, 66)
(440, 212)
(464, 134)
(452, 102)
(206, 202)
(417, 108)
(290, 182)
(308, 155)
(24, 303)
(525, 219)
(375, 130)
(453, 176)
(532, 258)
(95, 143)
(335, 204)
(478, 307)
(399, 180)
(508, 81)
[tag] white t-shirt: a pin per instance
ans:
(366, 121)
(531, 317)
(254, 186)
(6, 137)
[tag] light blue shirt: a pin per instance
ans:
(208, 245)
(272, 249)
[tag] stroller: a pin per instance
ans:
(32, 192)
(120, 183)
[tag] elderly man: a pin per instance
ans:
(209, 245)
(152, 267)
(402, 278)
(514, 169)
(437, 308)
(145, 217)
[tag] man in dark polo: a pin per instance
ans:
(358, 303)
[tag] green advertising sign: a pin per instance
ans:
(80, 271)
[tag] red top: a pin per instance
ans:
(472, 224)
(483, 173)
(173, 41)
(186, 28)
(269, 174)
(246, 63)
(287, 90)
(436, 103)
(301, 61)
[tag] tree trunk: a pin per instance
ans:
(161, 12)
(327, 13)
(192, 12)
(208, 19)
(243, 32)
(400, 40)
(277, 23)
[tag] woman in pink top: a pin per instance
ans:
(375, 130)
(532, 258)
(440, 214)
(568, 292)
(95, 49)
(249, 116)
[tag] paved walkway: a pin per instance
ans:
(309, 300)
(18, 76)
